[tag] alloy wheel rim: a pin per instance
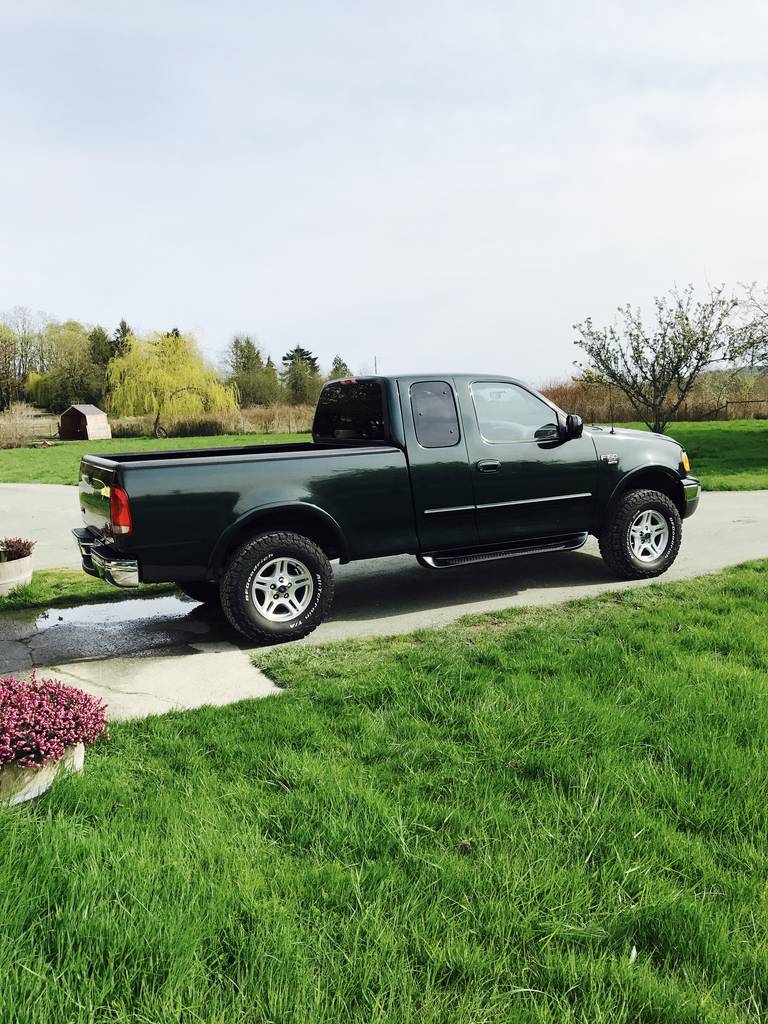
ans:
(282, 589)
(648, 535)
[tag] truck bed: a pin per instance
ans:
(184, 501)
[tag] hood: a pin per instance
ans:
(604, 431)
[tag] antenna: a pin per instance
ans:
(610, 403)
(375, 367)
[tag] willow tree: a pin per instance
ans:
(167, 377)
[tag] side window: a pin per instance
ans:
(506, 412)
(434, 414)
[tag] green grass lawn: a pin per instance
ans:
(56, 588)
(727, 456)
(546, 815)
(59, 464)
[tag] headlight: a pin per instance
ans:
(685, 462)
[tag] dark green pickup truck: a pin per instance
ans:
(453, 469)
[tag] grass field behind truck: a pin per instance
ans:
(59, 463)
(727, 456)
(546, 815)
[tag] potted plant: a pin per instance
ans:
(45, 726)
(15, 563)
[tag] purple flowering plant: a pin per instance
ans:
(40, 718)
(13, 548)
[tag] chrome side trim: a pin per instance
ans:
(503, 504)
(454, 508)
(535, 501)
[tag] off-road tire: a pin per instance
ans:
(614, 538)
(200, 590)
(244, 564)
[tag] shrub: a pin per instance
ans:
(16, 426)
(14, 548)
(39, 719)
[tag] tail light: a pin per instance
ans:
(119, 511)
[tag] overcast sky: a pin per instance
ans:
(441, 185)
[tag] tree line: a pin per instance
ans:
(57, 364)
(654, 362)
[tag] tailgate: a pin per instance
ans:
(96, 476)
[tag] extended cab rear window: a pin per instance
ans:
(350, 410)
(434, 414)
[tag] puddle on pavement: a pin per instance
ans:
(136, 628)
(168, 606)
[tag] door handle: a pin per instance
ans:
(489, 466)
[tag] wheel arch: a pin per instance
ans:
(295, 517)
(652, 478)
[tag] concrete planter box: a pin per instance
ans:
(20, 784)
(15, 574)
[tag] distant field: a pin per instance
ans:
(59, 465)
(726, 456)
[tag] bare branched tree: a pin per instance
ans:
(754, 307)
(656, 367)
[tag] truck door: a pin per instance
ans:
(441, 480)
(528, 482)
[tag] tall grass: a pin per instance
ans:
(279, 418)
(256, 419)
(17, 426)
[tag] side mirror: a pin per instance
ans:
(574, 426)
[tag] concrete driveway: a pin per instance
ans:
(146, 656)
(46, 514)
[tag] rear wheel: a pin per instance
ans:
(206, 593)
(277, 587)
(642, 537)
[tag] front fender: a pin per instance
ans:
(654, 477)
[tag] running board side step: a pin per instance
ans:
(449, 559)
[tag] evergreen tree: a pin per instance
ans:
(243, 356)
(101, 347)
(121, 340)
(301, 355)
(301, 382)
(339, 369)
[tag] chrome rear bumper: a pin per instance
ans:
(101, 561)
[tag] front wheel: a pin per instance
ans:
(277, 587)
(642, 536)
